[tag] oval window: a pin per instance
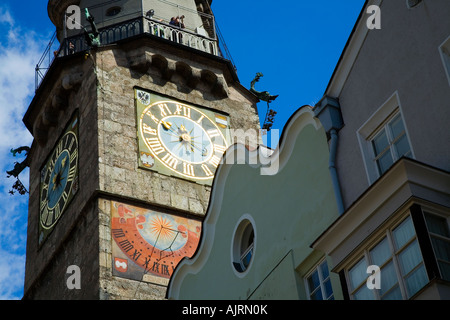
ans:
(113, 11)
(243, 246)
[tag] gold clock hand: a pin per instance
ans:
(166, 125)
(63, 162)
(192, 143)
(56, 180)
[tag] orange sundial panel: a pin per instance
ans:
(147, 245)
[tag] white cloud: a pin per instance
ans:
(5, 17)
(19, 53)
(13, 227)
(17, 61)
(11, 275)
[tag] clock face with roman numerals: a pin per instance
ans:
(180, 139)
(58, 180)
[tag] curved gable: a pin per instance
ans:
(288, 207)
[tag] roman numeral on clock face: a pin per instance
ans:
(65, 196)
(199, 121)
(52, 162)
(155, 119)
(183, 110)
(213, 133)
(215, 160)
(45, 187)
(72, 172)
(188, 169)
(155, 145)
(219, 148)
(73, 155)
(47, 217)
(164, 110)
(57, 211)
(207, 171)
(126, 245)
(72, 141)
(59, 147)
(148, 130)
(43, 205)
(170, 160)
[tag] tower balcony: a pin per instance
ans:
(195, 29)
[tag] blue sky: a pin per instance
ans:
(296, 44)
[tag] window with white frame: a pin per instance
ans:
(383, 139)
(318, 283)
(243, 245)
(439, 233)
(445, 55)
(399, 258)
(390, 143)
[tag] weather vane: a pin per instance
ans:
(264, 96)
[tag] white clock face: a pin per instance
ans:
(186, 140)
(182, 138)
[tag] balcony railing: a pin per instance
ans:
(50, 53)
(197, 39)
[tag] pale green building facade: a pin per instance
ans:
(274, 217)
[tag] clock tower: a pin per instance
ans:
(130, 123)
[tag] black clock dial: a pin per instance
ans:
(58, 179)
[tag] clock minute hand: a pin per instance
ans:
(193, 145)
(63, 162)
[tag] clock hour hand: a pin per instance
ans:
(167, 125)
(56, 181)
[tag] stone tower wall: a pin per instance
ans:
(120, 70)
(72, 242)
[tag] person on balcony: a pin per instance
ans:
(179, 23)
(71, 48)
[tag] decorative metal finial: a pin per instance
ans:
(18, 168)
(92, 38)
(264, 96)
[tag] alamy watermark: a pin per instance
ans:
(256, 150)
(74, 279)
(374, 20)
(73, 17)
(374, 280)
